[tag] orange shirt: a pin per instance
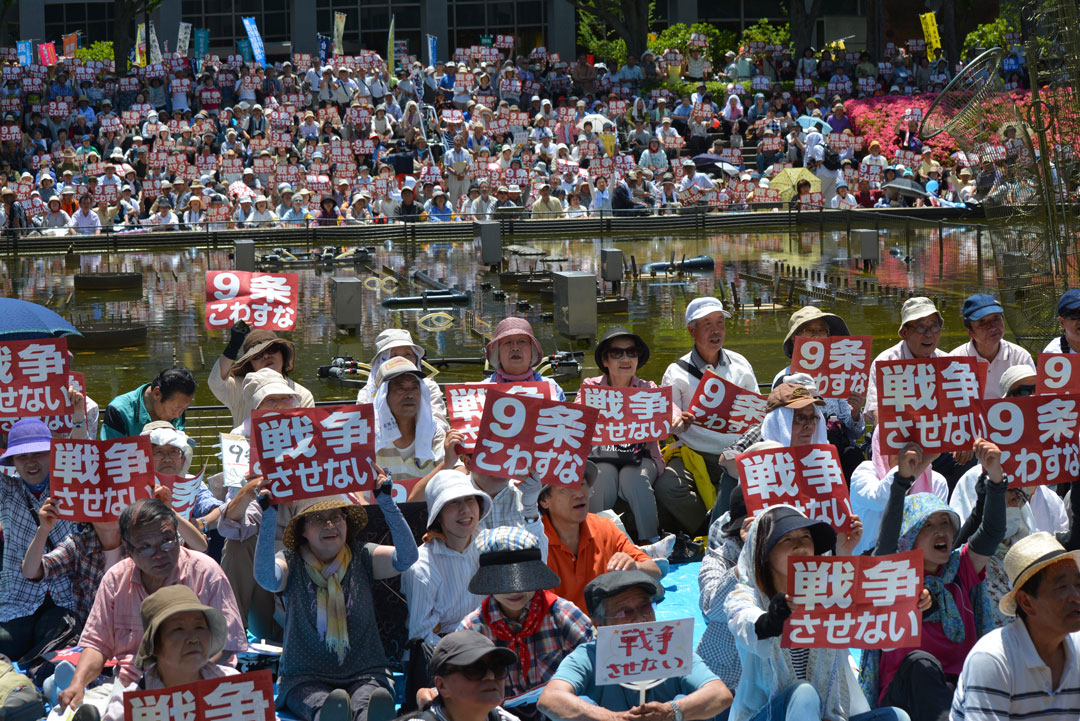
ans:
(600, 540)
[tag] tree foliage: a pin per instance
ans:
(986, 36)
(600, 41)
(100, 50)
(677, 37)
(767, 33)
(605, 22)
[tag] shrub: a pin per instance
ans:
(677, 37)
(98, 51)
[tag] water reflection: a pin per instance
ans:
(172, 303)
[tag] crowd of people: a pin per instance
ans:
(512, 579)
(204, 144)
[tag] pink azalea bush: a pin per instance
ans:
(876, 119)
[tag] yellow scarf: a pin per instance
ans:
(332, 621)
(694, 463)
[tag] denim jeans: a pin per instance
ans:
(800, 702)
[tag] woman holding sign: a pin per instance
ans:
(788, 683)
(626, 471)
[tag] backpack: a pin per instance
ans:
(832, 159)
(19, 700)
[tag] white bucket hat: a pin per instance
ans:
(446, 486)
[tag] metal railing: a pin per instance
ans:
(313, 236)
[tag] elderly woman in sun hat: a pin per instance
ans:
(626, 471)
(392, 343)
(333, 664)
(180, 637)
(520, 612)
(249, 350)
(436, 585)
(514, 352)
(812, 322)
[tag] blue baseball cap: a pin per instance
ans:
(26, 436)
(1070, 300)
(981, 305)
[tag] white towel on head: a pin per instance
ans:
(777, 426)
(387, 431)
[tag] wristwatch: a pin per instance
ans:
(677, 710)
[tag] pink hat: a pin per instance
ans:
(508, 327)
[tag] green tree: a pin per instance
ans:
(600, 41)
(677, 37)
(986, 36)
(628, 21)
(100, 50)
(767, 33)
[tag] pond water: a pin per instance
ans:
(172, 303)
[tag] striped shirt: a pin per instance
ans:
(437, 589)
(507, 510)
(1005, 678)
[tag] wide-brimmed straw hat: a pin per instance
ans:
(355, 517)
(169, 601)
(258, 341)
(510, 562)
(1027, 557)
(804, 315)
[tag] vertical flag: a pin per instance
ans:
(25, 49)
(432, 50)
(71, 44)
(155, 48)
(47, 54)
(390, 50)
(325, 46)
(202, 46)
(257, 48)
(244, 46)
(140, 45)
(183, 39)
(339, 33)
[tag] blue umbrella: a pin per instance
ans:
(23, 320)
(808, 122)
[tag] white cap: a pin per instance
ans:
(1013, 375)
(915, 308)
(701, 307)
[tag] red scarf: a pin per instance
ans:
(538, 608)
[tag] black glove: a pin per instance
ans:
(236, 340)
(771, 624)
(263, 500)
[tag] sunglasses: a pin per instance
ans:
(478, 671)
(617, 353)
(1023, 391)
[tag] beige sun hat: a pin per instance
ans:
(915, 308)
(1027, 557)
(804, 315)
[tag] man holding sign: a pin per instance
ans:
(920, 333)
(683, 500)
(621, 598)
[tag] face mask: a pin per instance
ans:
(1014, 521)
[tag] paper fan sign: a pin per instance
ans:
(238, 189)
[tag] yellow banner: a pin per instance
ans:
(930, 32)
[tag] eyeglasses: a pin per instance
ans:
(150, 551)
(321, 519)
(478, 671)
(806, 420)
(167, 451)
(617, 353)
(627, 613)
(926, 329)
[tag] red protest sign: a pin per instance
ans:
(62, 425)
(521, 434)
(33, 378)
(724, 407)
(246, 696)
(1038, 437)
(854, 601)
(184, 490)
(647, 651)
(465, 404)
(314, 452)
(1058, 373)
(839, 364)
(94, 480)
(629, 415)
(809, 478)
(933, 402)
(262, 300)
